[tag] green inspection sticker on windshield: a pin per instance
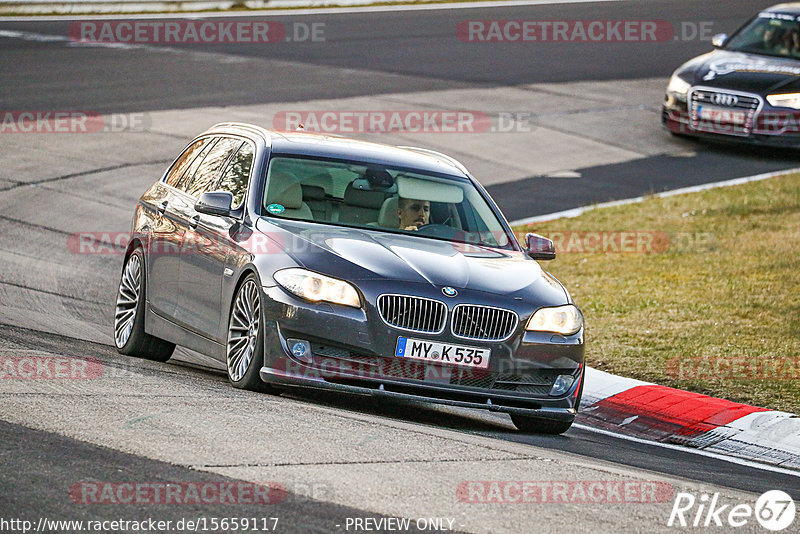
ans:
(275, 208)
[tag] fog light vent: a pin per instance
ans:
(300, 349)
(561, 385)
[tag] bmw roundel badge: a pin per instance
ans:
(449, 291)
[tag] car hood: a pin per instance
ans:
(356, 254)
(744, 72)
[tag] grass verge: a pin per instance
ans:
(698, 291)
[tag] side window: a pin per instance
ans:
(236, 174)
(183, 162)
(187, 175)
(209, 170)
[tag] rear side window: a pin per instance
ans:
(183, 162)
(236, 174)
(186, 178)
(208, 173)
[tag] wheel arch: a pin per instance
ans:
(133, 245)
(246, 271)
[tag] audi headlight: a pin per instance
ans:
(678, 87)
(317, 287)
(788, 100)
(565, 320)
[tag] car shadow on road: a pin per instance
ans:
(404, 410)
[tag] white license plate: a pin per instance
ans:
(432, 351)
(720, 115)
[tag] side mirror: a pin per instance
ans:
(215, 203)
(539, 247)
(718, 41)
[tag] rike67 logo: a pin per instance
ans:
(774, 510)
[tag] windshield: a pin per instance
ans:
(374, 197)
(769, 34)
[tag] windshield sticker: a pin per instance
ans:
(275, 208)
(777, 16)
(726, 67)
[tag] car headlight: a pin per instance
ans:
(788, 100)
(565, 320)
(317, 287)
(678, 86)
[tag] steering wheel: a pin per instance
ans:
(437, 230)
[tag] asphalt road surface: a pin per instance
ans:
(335, 457)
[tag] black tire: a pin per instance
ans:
(131, 339)
(243, 368)
(536, 425)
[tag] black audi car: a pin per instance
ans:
(747, 89)
(302, 260)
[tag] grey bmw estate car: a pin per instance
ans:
(303, 260)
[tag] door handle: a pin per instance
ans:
(194, 221)
(162, 207)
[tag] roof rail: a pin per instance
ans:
(244, 126)
(454, 162)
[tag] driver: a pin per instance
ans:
(413, 213)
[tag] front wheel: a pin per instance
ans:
(129, 335)
(537, 425)
(245, 353)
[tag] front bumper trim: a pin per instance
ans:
(280, 378)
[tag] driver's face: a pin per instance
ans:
(413, 213)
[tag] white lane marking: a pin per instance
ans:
(47, 38)
(28, 36)
(310, 10)
(683, 448)
(576, 212)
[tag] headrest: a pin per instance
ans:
(284, 190)
(323, 180)
(313, 192)
(363, 199)
(387, 217)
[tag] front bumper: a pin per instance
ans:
(399, 391)
(351, 353)
(767, 126)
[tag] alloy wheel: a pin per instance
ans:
(127, 300)
(243, 330)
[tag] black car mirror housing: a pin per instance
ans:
(215, 203)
